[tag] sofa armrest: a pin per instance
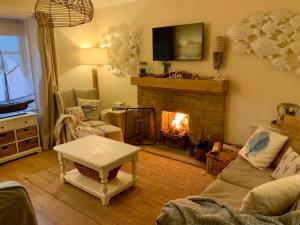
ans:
(16, 207)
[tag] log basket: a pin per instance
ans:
(216, 163)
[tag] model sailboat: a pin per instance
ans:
(15, 92)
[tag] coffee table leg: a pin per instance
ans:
(104, 181)
(134, 170)
(61, 167)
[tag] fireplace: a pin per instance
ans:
(175, 122)
(200, 102)
(174, 129)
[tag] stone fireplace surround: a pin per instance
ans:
(202, 100)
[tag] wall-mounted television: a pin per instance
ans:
(178, 43)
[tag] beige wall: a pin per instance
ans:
(16, 8)
(68, 43)
(256, 88)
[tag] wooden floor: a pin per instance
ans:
(49, 210)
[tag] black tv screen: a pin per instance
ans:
(178, 43)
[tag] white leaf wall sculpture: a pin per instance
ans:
(122, 48)
(271, 35)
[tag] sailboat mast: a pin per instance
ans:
(7, 98)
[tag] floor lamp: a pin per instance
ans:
(96, 57)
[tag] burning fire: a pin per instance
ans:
(180, 123)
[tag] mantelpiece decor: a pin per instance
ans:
(271, 35)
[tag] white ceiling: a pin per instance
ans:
(107, 3)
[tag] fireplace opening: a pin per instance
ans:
(175, 129)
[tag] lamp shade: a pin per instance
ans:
(92, 56)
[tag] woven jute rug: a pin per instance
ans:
(161, 179)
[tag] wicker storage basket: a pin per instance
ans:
(8, 150)
(7, 137)
(93, 174)
(216, 163)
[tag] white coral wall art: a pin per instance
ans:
(122, 45)
(271, 35)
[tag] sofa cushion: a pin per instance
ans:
(95, 123)
(262, 147)
(290, 128)
(288, 166)
(241, 173)
(228, 193)
(273, 198)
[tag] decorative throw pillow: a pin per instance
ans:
(262, 147)
(288, 166)
(91, 108)
(77, 112)
(273, 198)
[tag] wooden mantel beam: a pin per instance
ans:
(188, 85)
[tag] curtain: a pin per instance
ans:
(45, 79)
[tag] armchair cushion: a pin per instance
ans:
(91, 108)
(95, 123)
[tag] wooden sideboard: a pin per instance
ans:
(19, 136)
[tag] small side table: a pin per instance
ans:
(116, 118)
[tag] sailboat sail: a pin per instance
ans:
(15, 94)
(17, 85)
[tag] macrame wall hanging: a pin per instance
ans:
(122, 45)
(63, 13)
(271, 35)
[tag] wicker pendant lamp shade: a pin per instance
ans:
(63, 13)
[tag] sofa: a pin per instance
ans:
(239, 177)
(68, 98)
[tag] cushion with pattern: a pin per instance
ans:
(77, 112)
(288, 166)
(262, 147)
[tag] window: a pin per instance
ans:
(13, 62)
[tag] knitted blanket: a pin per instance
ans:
(208, 211)
(76, 128)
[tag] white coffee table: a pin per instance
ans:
(103, 155)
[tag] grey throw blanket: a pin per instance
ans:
(207, 211)
(15, 205)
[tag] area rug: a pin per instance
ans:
(161, 180)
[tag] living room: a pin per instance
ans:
(234, 87)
